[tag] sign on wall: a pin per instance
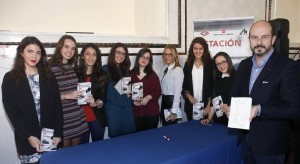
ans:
(228, 35)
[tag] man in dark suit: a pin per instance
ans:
(273, 82)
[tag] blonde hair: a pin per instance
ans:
(174, 54)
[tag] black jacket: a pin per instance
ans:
(20, 108)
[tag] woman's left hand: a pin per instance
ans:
(173, 116)
(146, 99)
(206, 111)
(91, 101)
(56, 140)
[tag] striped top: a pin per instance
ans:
(74, 118)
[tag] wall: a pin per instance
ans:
(196, 10)
(289, 9)
(112, 17)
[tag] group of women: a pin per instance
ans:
(43, 94)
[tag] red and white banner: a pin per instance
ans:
(228, 35)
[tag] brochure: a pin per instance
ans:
(126, 85)
(137, 90)
(240, 110)
(217, 102)
(46, 139)
(198, 111)
(85, 87)
(167, 113)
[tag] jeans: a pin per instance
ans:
(96, 131)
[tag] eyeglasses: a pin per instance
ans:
(145, 58)
(119, 53)
(221, 64)
(168, 55)
(262, 38)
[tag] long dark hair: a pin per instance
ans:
(206, 57)
(18, 70)
(113, 66)
(57, 58)
(100, 76)
(231, 71)
(148, 69)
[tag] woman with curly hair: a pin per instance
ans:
(198, 83)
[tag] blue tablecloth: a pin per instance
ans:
(189, 142)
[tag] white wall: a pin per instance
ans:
(113, 17)
(289, 9)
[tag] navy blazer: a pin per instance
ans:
(208, 85)
(277, 90)
(20, 108)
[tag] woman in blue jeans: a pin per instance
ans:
(90, 70)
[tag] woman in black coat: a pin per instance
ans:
(198, 83)
(31, 99)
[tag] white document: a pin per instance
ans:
(85, 87)
(217, 102)
(198, 111)
(118, 86)
(46, 139)
(137, 90)
(179, 114)
(240, 110)
(167, 113)
(126, 85)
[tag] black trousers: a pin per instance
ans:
(166, 103)
(146, 122)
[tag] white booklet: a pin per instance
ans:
(217, 102)
(240, 110)
(179, 114)
(85, 87)
(137, 90)
(126, 85)
(198, 111)
(46, 139)
(167, 113)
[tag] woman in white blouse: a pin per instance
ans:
(171, 83)
(198, 84)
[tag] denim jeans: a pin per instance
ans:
(96, 131)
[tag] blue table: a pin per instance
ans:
(189, 142)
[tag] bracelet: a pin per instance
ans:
(185, 93)
(99, 103)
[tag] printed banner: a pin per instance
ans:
(228, 35)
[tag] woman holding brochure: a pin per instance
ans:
(146, 107)
(90, 70)
(171, 84)
(198, 83)
(224, 74)
(31, 100)
(62, 65)
(118, 107)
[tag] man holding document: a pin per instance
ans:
(273, 82)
